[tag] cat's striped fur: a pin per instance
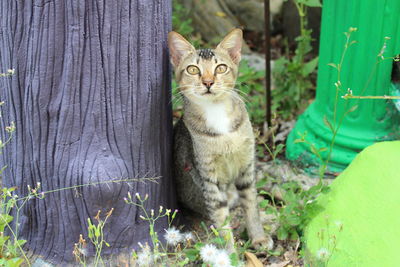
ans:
(214, 141)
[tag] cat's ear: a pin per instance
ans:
(178, 47)
(232, 43)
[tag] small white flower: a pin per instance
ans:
(145, 257)
(222, 259)
(322, 254)
(173, 236)
(208, 253)
(188, 236)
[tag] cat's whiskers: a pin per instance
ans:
(230, 86)
(235, 95)
(180, 95)
(234, 92)
(240, 84)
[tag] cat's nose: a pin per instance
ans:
(208, 83)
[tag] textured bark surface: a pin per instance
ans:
(90, 99)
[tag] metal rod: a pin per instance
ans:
(267, 48)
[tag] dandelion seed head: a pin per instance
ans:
(144, 258)
(338, 223)
(208, 253)
(188, 236)
(173, 236)
(222, 259)
(322, 254)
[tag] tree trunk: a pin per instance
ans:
(90, 99)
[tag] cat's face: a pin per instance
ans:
(206, 74)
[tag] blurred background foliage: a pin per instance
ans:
(294, 49)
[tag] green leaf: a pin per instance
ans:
(278, 149)
(333, 65)
(21, 242)
(270, 210)
(353, 108)
(5, 219)
(234, 259)
(310, 66)
(264, 203)
(298, 140)
(198, 245)
(219, 240)
(293, 220)
(275, 253)
(261, 183)
(282, 233)
(191, 253)
(327, 123)
(294, 235)
(314, 150)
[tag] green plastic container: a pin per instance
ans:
(373, 120)
(357, 224)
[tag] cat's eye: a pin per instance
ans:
(221, 68)
(193, 70)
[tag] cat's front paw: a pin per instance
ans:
(263, 243)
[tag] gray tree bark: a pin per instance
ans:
(90, 99)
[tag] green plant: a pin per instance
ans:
(295, 209)
(180, 20)
(297, 206)
(323, 255)
(273, 148)
(180, 248)
(249, 86)
(337, 120)
(11, 249)
(96, 235)
(292, 75)
(182, 23)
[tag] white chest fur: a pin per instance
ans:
(216, 117)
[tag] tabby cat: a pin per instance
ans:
(214, 141)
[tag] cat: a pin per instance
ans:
(214, 141)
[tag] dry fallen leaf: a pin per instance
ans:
(252, 260)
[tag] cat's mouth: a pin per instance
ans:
(208, 92)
